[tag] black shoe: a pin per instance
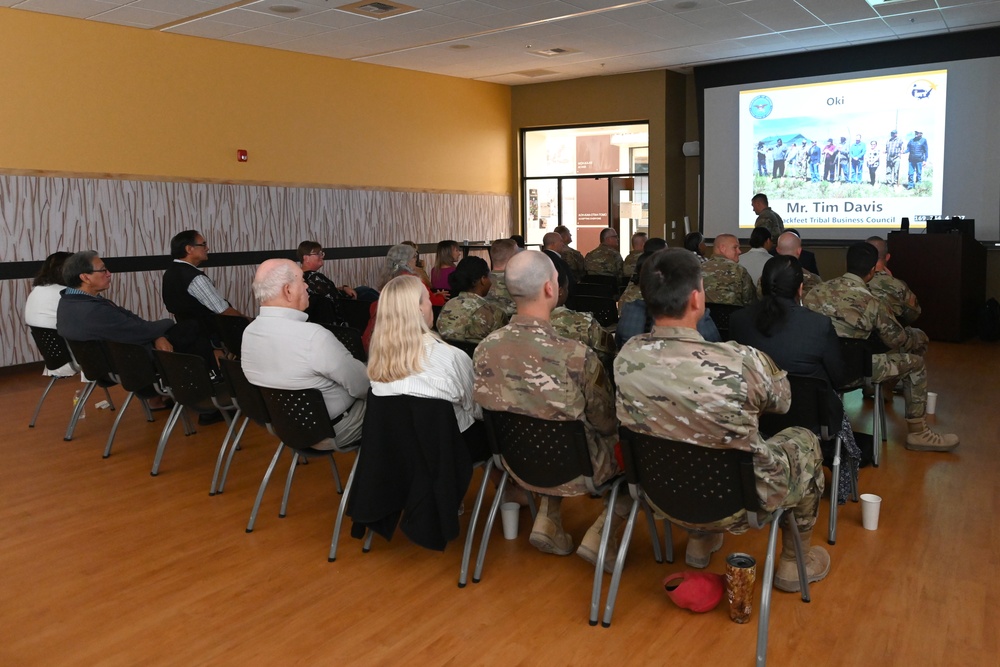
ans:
(208, 418)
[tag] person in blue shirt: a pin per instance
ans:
(916, 150)
(857, 153)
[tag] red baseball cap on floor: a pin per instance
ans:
(697, 591)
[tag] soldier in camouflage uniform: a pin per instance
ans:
(894, 292)
(857, 313)
(500, 253)
(725, 280)
(526, 368)
(632, 292)
(674, 384)
(605, 259)
(579, 326)
(638, 246)
(470, 316)
(765, 216)
(572, 257)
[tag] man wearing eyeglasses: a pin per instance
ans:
(323, 292)
(606, 259)
(187, 292)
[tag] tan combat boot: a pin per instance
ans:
(547, 535)
(700, 548)
(786, 574)
(591, 543)
(922, 439)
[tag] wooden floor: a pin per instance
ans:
(102, 564)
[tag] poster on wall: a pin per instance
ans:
(595, 154)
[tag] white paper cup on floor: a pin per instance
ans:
(931, 402)
(510, 513)
(870, 506)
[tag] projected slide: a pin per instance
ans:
(845, 154)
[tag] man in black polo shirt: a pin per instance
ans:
(187, 292)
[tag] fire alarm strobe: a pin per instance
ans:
(241, 155)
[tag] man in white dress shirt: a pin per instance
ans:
(281, 350)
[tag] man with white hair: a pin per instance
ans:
(527, 368)
(281, 350)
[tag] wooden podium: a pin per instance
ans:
(947, 272)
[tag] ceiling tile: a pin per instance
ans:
(206, 28)
(971, 15)
(135, 16)
(857, 31)
(336, 19)
(778, 15)
(838, 11)
(80, 9)
(893, 8)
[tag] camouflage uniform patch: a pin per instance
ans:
(674, 384)
(469, 317)
(897, 295)
(856, 313)
(771, 220)
(584, 328)
(630, 261)
(499, 293)
(604, 261)
(528, 369)
(727, 282)
(631, 293)
(575, 261)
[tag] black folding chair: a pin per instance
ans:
(231, 328)
(300, 418)
(810, 408)
(720, 314)
(355, 312)
(604, 309)
(700, 485)
(132, 366)
(56, 355)
(351, 339)
(186, 380)
(857, 355)
(544, 454)
(464, 345)
(250, 405)
(90, 356)
(586, 288)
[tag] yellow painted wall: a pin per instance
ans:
(86, 98)
(657, 97)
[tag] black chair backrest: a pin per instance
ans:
(597, 279)
(604, 309)
(133, 365)
(351, 339)
(691, 483)
(465, 346)
(542, 452)
(248, 397)
(52, 346)
(355, 312)
(92, 357)
(186, 378)
(810, 408)
(231, 329)
(720, 314)
(298, 416)
(857, 356)
(587, 288)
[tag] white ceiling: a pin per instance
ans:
(493, 40)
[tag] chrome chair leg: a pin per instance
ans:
(616, 576)
(602, 552)
(490, 519)
(834, 492)
(84, 396)
(288, 486)
(38, 408)
(168, 428)
(263, 486)
(114, 427)
(232, 452)
(343, 508)
(470, 534)
(222, 452)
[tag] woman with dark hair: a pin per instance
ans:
(470, 316)
(448, 254)
(43, 300)
(695, 242)
(800, 341)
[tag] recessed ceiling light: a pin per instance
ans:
(686, 4)
(284, 9)
(459, 47)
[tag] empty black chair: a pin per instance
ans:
(56, 355)
(231, 329)
(857, 355)
(597, 279)
(132, 367)
(720, 313)
(544, 454)
(700, 485)
(811, 409)
(250, 405)
(604, 309)
(351, 339)
(186, 380)
(355, 312)
(93, 361)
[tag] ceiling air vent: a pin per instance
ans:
(557, 51)
(534, 73)
(377, 10)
